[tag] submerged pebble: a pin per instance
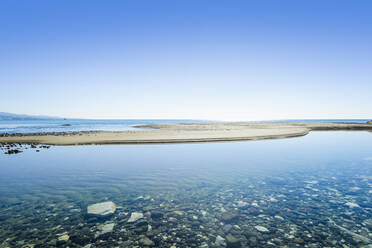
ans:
(105, 229)
(102, 209)
(261, 228)
(135, 216)
(146, 241)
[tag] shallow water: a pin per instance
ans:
(313, 191)
(76, 125)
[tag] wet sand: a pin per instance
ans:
(185, 133)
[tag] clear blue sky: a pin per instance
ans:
(198, 59)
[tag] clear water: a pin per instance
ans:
(75, 125)
(313, 191)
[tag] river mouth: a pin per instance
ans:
(312, 191)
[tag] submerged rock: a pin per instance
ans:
(242, 204)
(278, 217)
(179, 213)
(229, 217)
(352, 205)
(227, 228)
(105, 229)
(156, 215)
(102, 209)
(64, 238)
(355, 236)
(232, 241)
(261, 229)
(146, 241)
(135, 216)
(220, 241)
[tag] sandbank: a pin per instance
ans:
(185, 133)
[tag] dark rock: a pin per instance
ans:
(229, 217)
(79, 239)
(141, 223)
(13, 151)
(156, 215)
(232, 241)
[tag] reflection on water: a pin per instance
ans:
(313, 191)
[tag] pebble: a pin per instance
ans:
(146, 241)
(102, 209)
(261, 228)
(180, 213)
(220, 241)
(227, 228)
(64, 238)
(105, 229)
(278, 217)
(232, 241)
(135, 216)
(352, 205)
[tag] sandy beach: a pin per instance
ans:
(186, 132)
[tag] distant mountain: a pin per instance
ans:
(10, 116)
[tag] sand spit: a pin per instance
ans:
(185, 133)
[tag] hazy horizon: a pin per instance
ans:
(220, 60)
(62, 117)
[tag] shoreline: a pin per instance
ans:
(184, 133)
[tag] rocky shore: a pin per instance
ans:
(15, 148)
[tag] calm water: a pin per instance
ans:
(313, 191)
(77, 125)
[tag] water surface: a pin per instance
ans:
(76, 125)
(312, 191)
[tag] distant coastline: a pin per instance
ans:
(4, 116)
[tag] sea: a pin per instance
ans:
(310, 191)
(79, 125)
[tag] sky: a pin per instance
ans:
(187, 59)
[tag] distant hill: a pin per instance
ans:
(10, 116)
